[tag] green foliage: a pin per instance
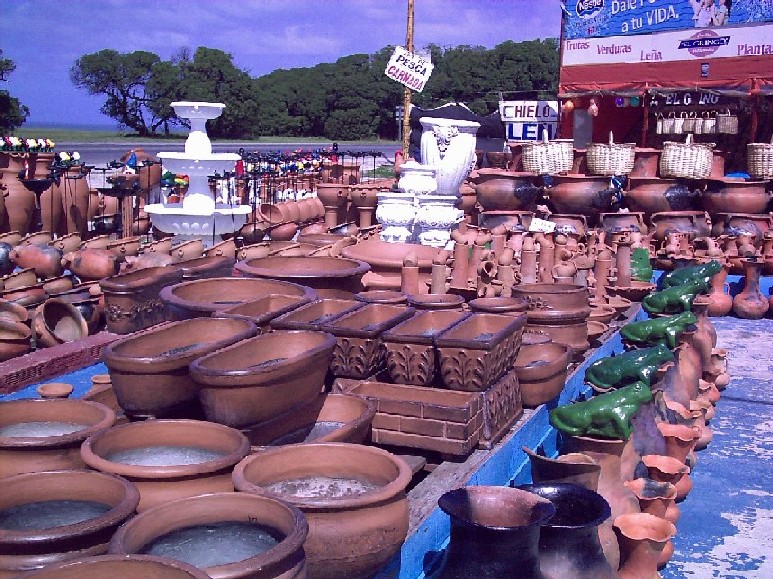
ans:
(12, 112)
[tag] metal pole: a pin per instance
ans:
(406, 90)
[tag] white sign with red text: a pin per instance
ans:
(408, 69)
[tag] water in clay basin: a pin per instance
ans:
(206, 546)
(322, 487)
(40, 429)
(536, 363)
(47, 514)
(164, 455)
(308, 433)
(483, 337)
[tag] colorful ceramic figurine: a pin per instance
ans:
(701, 271)
(608, 415)
(675, 299)
(658, 330)
(621, 370)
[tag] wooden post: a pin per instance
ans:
(406, 90)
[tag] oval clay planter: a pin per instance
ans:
(262, 310)
(205, 267)
(40, 435)
(353, 531)
(168, 459)
(149, 371)
(102, 566)
(97, 504)
(285, 523)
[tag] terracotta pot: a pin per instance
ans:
(732, 223)
(580, 194)
(342, 171)
(314, 315)
(12, 238)
(258, 378)
(694, 223)
(645, 163)
(159, 246)
(500, 305)
(381, 297)
(98, 242)
(728, 195)
(93, 264)
(263, 310)
(57, 321)
(386, 262)
(149, 371)
(37, 449)
(98, 505)
(132, 299)
(642, 538)
(334, 197)
(225, 248)
(574, 467)
(206, 267)
(19, 202)
(118, 566)
(187, 250)
(290, 211)
(330, 277)
(653, 195)
(436, 301)
(496, 529)
(74, 190)
(351, 534)
(14, 336)
(168, 459)
(67, 243)
(503, 190)
(45, 260)
(541, 371)
(283, 560)
(12, 312)
(202, 297)
(750, 304)
(328, 418)
(20, 278)
(54, 390)
(283, 231)
(627, 220)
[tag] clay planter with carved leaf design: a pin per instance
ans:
(149, 371)
(39, 435)
(410, 349)
(168, 459)
(354, 531)
(479, 350)
(132, 300)
(82, 511)
(258, 378)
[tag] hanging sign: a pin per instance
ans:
(409, 69)
(528, 120)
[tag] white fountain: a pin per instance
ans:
(198, 216)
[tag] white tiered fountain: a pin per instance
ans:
(198, 216)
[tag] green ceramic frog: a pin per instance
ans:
(641, 268)
(704, 271)
(608, 415)
(622, 369)
(658, 330)
(675, 299)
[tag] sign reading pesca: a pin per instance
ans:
(408, 69)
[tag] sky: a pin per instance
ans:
(44, 38)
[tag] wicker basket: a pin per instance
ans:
(548, 157)
(727, 123)
(759, 158)
(687, 160)
(611, 158)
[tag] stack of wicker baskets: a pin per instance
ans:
(611, 158)
(759, 159)
(686, 160)
(548, 157)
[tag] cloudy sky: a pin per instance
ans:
(45, 37)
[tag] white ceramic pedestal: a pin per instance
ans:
(396, 213)
(449, 146)
(436, 215)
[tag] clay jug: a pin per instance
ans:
(45, 260)
(750, 304)
(494, 532)
(92, 264)
(642, 538)
(575, 468)
(688, 362)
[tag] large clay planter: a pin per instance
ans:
(19, 202)
(256, 379)
(160, 481)
(365, 198)
(642, 538)
(580, 194)
(502, 190)
(330, 277)
(694, 223)
(149, 371)
(541, 369)
(494, 532)
(328, 418)
(81, 533)
(118, 566)
(14, 336)
(386, 262)
(57, 321)
(202, 297)
(262, 310)
(132, 299)
(53, 446)
(350, 535)
(74, 190)
(285, 560)
(653, 195)
(728, 195)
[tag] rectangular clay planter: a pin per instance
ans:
(477, 351)
(502, 407)
(359, 351)
(265, 309)
(132, 299)
(314, 315)
(410, 348)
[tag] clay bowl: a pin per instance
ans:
(320, 239)
(596, 330)
(635, 292)
(314, 315)
(541, 369)
(201, 297)
(328, 418)
(330, 277)
(19, 279)
(207, 266)
(57, 321)
(168, 459)
(381, 297)
(280, 519)
(503, 190)
(602, 313)
(386, 262)
(226, 248)
(125, 246)
(436, 301)
(728, 195)
(28, 446)
(500, 305)
(256, 379)
(350, 535)
(149, 370)
(54, 390)
(283, 231)
(80, 530)
(117, 566)
(14, 337)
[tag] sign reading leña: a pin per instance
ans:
(408, 69)
(528, 120)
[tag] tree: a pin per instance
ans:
(12, 112)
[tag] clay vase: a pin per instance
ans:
(642, 538)
(569, 542)
(92, 264)
(26, 447)
(334, 197)
(57, 321)
(117, 566)
(18, 200)
(750, 304)
(574, 467)
(284, 522)
(495, 532)
(352, 533)
(689, 363)
(168, 459)
(667, 469)
(74, 191)
(45, 260)
(680, 442)
(98, 505)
